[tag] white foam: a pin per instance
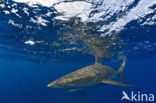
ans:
(15, 24)
(140, 10)
(108, 8)
(30, 42)
(6, 12)
(47, 3)
(78, 8)
(40, 21)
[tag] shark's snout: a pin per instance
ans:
(51, 84)
(60, 85)
(55, 84)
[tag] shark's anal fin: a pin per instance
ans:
(108, 81)
(81, 92)
(72, 90)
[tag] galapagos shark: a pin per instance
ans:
(90, 76)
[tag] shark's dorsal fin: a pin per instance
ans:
(108, 81)
(98, 60)
(121, 69)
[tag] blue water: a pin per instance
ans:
(35, 48)
(25, 82)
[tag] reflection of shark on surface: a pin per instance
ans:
(94, 44)
(90, 76)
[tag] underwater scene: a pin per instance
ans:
(78, 51)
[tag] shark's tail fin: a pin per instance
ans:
(121, 69)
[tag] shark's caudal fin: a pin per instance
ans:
(107, 81)
(121, 69)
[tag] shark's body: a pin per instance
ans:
(89, 76)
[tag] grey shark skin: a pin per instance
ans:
(89, 76)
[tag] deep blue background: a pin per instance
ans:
(25, 82)
(24, 75)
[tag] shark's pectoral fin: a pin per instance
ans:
(107, 81)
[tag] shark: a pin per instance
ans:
(90, 76)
